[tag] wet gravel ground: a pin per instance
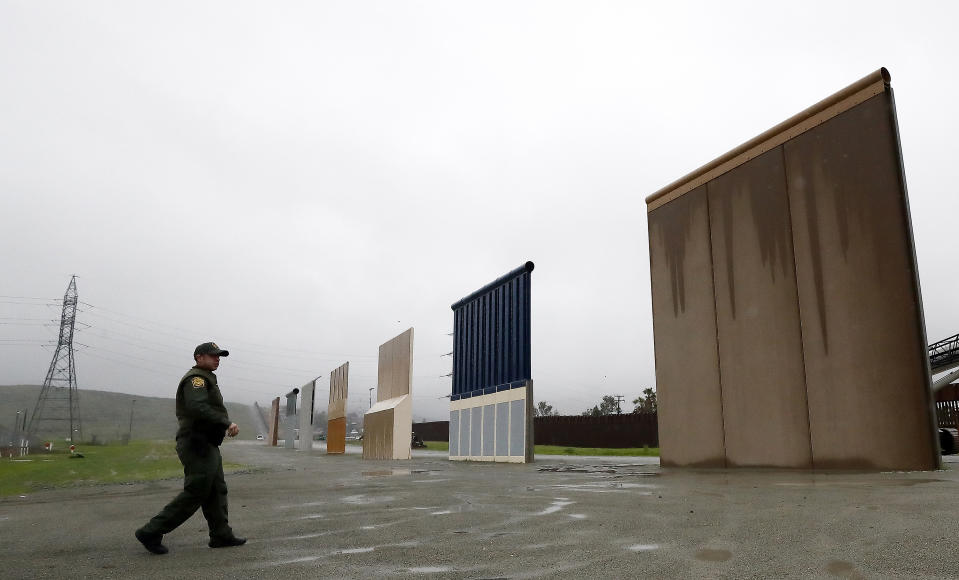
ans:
(308, 515)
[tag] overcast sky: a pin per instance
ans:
(302, 181)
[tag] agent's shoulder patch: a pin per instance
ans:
(198, 383)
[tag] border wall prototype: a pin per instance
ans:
(336, 411)
(491, 406)
(388, 425)
(307, 402)
(786, 308)
(274, 431)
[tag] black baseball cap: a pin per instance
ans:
(210, 348)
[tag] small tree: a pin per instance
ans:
(645, 403)
(608, 406)
(544, 409)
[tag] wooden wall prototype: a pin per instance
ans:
(336, 410)
(387, 426)
(787, 318)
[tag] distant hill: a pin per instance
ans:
(105, 416)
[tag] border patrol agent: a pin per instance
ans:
(203, 423)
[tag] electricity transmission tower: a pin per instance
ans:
(58, 406)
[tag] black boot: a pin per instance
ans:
(151, 542)
(226, 542)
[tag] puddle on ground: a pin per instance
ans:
(866, 483)
(643, 547)
(386, 472)
(293, 538)
(708, 555)
(625, 469)
(301, 505)
(607, 486)
(363, 499)
(294, 560)
(555, 507)
(430, 569)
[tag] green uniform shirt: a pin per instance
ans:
(199, 404)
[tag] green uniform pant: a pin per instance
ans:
(203, 488)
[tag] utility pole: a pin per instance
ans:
(619, 399)
(371, 397)
(130, 429)
(59, 400)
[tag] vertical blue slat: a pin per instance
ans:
(521, 322)
(513, 335)
(456, 348)
(527, 340)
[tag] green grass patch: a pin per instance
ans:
(138, 461)
(560, 450)
(602, 451)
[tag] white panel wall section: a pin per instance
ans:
(493, 427)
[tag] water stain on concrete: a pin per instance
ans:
(710, 555)
(355, 551)
(842, 569)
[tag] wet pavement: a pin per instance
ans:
(308, 515)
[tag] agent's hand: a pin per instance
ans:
(232, 430)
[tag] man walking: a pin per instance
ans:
(203, 423)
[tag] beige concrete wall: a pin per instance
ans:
(757, 316)
(788, 326)
(378, 435)
(863, 341)
(684, 320)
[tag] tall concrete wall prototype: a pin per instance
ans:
(307, 395)
(273, 436)
(336, 410)
(786, 308)
(388, 425)
(491, 406)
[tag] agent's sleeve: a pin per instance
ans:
(196, 400)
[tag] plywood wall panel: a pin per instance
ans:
(684, 317)
(760, 342)
(863, 338)
(336, 435)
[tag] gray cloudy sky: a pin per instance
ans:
(301, 181)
